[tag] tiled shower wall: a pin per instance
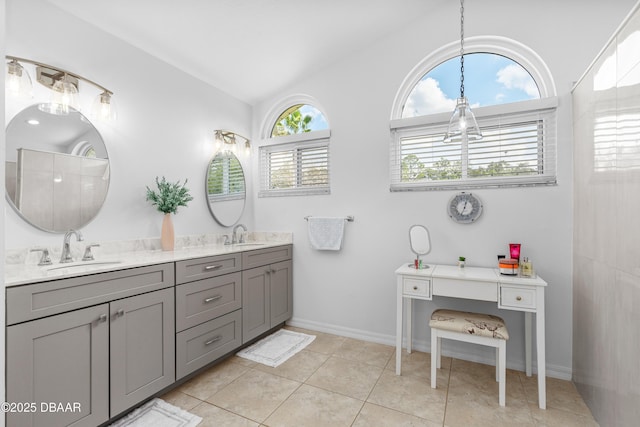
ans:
(606, 269)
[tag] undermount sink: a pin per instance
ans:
(249, 244)
(82, 264)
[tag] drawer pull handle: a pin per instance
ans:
(212, 340)
(212, 267)
(208, 300)
(415, 288)
(102, 318)
(518, 298)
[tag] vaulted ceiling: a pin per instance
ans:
(249, 48)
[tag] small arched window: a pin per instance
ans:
(513, 98)
(295, 157)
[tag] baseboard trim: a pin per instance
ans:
(553, 371)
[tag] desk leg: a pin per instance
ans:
(527, 342)
(409, 324)
(399, 328)
(542, 367)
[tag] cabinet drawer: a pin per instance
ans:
(259, 257)
(416, 287)
(517, 297)
(204, 300)
(202, 344)
(202, 268)
(57, 296)
(481, 291)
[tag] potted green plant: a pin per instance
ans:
(461, 261)
(167, 199)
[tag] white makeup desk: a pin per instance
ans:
(481, 284)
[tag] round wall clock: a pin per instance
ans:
(464, 208)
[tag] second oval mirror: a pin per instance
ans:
(225, 188)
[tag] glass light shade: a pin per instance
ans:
(462, 121)
(64, 94)
(104, 108)
(247, 149)
(17, 81)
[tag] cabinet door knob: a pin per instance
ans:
(267, 272)
(120, 313)
(102, 318)
(274, 271)
(415, 288)
(518, 298)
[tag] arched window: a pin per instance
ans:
(295, 157)
(512, 95)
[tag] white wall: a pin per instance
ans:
(165, 124)
(353, 292)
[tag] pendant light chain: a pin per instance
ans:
(461, 48)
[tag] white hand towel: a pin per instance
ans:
(325, 234)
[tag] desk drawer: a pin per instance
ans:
(482, 291)
(416, 287)
(516, 297)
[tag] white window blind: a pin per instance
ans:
(518, 148)
(295, 168)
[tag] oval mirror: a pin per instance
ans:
(225, 188)
(57, 169)
(419, 240)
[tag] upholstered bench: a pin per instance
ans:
(476, 328)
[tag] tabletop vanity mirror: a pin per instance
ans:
(225, 187)
(57, 169)
(420, 243)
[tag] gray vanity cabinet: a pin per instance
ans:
(142, 347)
(267, 290)
(208, 311)
(60, 359)
(105, 356)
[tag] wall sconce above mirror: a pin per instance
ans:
(64, 86)
(231, 141)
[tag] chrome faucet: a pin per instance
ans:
(66, 248)
(234, 237)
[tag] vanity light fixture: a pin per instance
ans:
(230, 141)
(64, 89)
(17, 81)
(463, 122)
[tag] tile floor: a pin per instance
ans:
(338, 381)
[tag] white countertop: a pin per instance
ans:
(482, 274)
(20, 274)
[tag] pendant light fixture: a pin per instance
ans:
(463, 123)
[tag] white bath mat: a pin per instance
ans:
(158, 413)
(277, 347)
